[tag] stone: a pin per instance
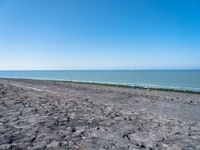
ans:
(53, 144)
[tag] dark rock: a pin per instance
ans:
(11, 139)
(3, 93)
(73, 130)
(126, 136)
(33, 139)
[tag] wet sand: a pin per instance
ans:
(56, 115)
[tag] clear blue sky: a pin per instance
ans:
(99, 34)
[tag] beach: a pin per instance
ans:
(44, 114)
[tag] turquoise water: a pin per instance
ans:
(175, 79)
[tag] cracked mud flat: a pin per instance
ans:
(58, 115)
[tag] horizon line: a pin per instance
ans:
(98, 69)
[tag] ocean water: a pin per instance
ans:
(171, 79)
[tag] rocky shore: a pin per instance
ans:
(53, 115)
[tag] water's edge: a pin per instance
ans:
(146, 87)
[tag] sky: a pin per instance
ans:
(99, 34)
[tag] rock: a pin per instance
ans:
(126, 136)
(141, 145)
(175, 147)
(53, 144)
(97, 128)
(3, 93)
(39, 145)
(73, 130)
(80, 131)
(5, 146)
(72, 115)
(33, 139)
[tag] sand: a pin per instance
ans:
(50, 115)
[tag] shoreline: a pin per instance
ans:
(145, 87)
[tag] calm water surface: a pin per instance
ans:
(176, 79)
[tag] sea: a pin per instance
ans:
(168, 79)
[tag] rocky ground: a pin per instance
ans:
(59, 115)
